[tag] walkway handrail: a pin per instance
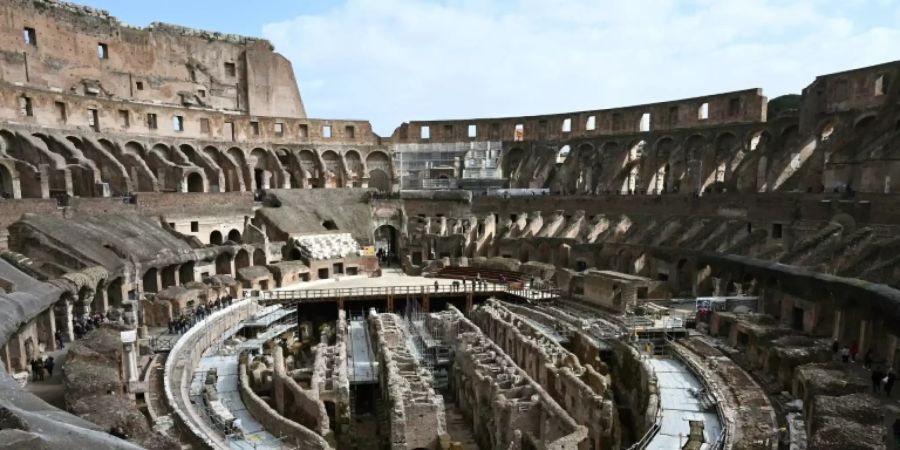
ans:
(382, 291)
(187, 362)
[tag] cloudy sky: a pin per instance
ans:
(391, 61)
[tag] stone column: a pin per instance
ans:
(129, 356)
(63, 314)
(863, 331)
(277, 379)
(891, 350)
(838, 325)
(46, 328)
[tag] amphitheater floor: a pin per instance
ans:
(389, 277)
(679, 406)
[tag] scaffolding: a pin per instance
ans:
(432, 352)
(421, 164)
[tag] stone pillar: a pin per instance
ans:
(129, 356)
(46, 329)
(101, 301)
(863, 331)
(891, 350)
(838, 325)
(277, 379)
(63, 314)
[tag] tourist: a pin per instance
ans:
(845, 354)
(889, 382)
(37, 369)
(59, 339)
(867, 360)
(49, 365)
(877, 376)
(118, 432)
(435, 286)
(854, 350)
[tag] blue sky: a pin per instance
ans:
(391, 61)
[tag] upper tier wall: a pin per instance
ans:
(59, 110)
(64, 47)
(747, 106)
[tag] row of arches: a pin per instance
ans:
(44, 165)
(748, 160)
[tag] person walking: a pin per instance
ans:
(867, 360)
(39, 369)
(889, 382)
(49, 365)
(854, 350)
(435, 286)
(877, 376)
(845, 354)
(59, 339)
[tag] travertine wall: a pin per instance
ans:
(507, 407)
(579, 388)
(166, 63)
(416, 416)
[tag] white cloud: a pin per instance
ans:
(391, 61)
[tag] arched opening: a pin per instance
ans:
(259, 176)
(661, 157)
(333, 169)
(114, 293)
(241, 259)
(684, 278)
(234, 236)
(354, 166)
(543, 253)
(827, 131)
(215, 238)
(169, 276)
(151, 280)
(6, 184)
(259, 257)
(511, 161)
(296, 254)
(691, 178)
(563, 154)
(864, 122)
(186, 273)
(379, 180)
(329, 225)
(524, 253)
(194, 182)
(223, 264)
(386, 243)
(85, 300)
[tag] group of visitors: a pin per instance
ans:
(84, 323)
(882, 379)
(184, 321)
(477, 283)
(41, 368)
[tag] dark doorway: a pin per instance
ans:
(386, 244)
(797, 318)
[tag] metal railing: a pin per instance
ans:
(313, 295)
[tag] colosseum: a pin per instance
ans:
(188, 261)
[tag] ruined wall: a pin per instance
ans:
(580, 389)
(81, 51)
(273, 422)
(508, 408)
(417, 418)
